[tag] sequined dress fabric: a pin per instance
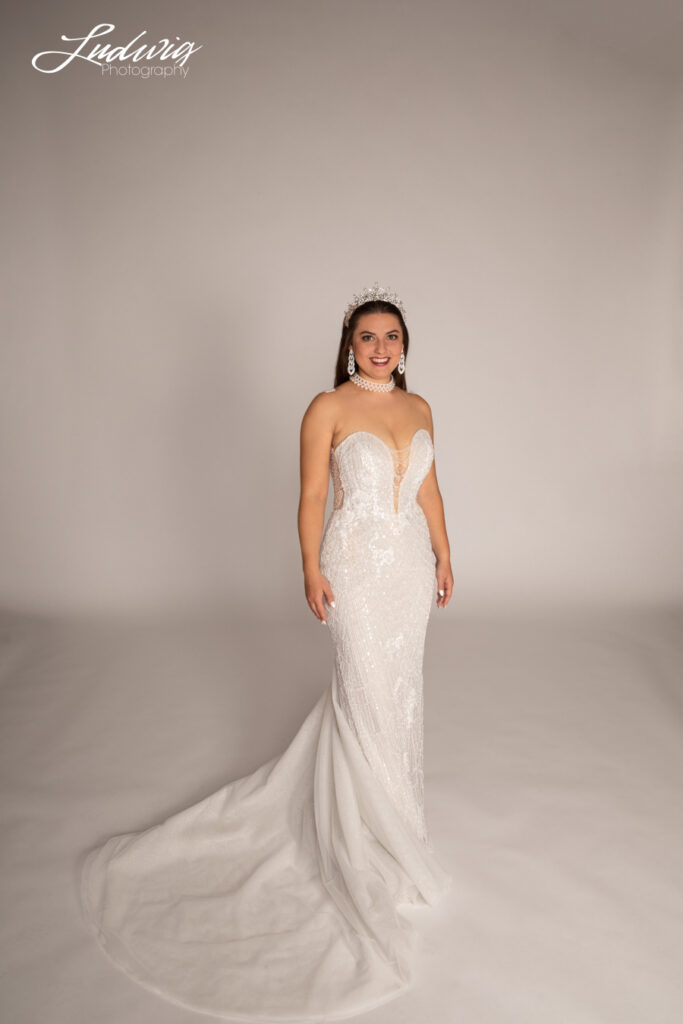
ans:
(277, 898)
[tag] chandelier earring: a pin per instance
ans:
(402, 362)
(351, 365)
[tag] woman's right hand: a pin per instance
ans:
(317, 588)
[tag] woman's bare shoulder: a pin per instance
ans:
(419, 403)
(323, 400)
(321, 412)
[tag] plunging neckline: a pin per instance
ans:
(381, 440)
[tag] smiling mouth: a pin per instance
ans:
(379, 362)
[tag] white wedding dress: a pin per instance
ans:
(276, 898)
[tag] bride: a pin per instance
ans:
(277, 897)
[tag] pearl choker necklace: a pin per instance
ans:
(372, 385)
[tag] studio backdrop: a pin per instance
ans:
(193, 193)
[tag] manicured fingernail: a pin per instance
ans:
(322, 622)
(331, 604)
(441, 592)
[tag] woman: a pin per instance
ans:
(276, 898)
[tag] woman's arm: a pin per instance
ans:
(317, 429)
(430, 501)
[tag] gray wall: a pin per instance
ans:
(178, 254)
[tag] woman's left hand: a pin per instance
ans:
(444, 583)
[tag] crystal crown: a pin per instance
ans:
(371, 295)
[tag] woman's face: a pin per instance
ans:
(377, 342)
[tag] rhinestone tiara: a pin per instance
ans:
(371, 295)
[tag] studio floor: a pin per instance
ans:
(554, 776)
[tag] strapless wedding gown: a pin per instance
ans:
(276, 898)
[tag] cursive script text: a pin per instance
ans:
(163, 49)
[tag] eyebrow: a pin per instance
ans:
(394, 330)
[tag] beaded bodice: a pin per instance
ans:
(368, 476)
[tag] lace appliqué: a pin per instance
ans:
(338, 499)
(377, 555)
(401, 457)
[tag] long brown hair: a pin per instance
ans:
(374, 306)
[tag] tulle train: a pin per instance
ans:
(275, 898)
